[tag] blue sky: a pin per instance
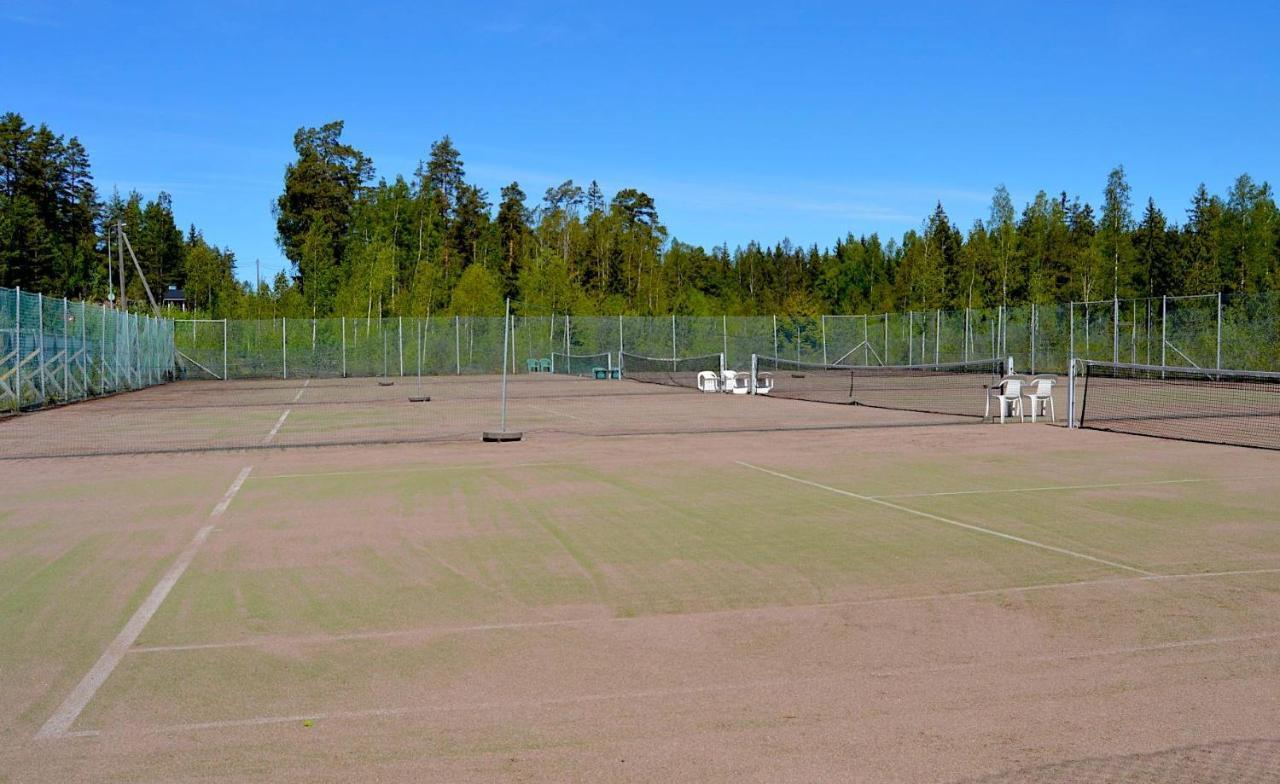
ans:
(744, 120)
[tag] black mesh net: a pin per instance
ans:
(674, 371)
(1236, 407)
(956, 388)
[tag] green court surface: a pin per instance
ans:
(931, 603)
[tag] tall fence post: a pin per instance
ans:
(284, 347)
(17, 339)
(966, 334)
(457, 344)
(823, 320)
(937, 336)
(1033, 338)
(775, 341)
(724, 329)
(673, 336)
(886, 361)
(40, 336)
(400, 341)
(1164, 329)
(344, 346)
(224, 351)
(1115, 330)
(1218, 352)
(66, 353)
(620, 346)
(567, 352)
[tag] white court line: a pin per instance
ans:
(413, 470)
(678, 691)
(1099, 486)
(554, 412)
(948, 521)
(276, 429)
(428, 631)
(62, 719)
(301, 389)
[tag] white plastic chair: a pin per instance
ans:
(1008, 395)
(1041, 397)
(737, 383)
(708, 381)
(764, 383)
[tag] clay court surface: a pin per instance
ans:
(842, 601)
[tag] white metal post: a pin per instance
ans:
(620, 346)
(1033, 338)
(1115, 330)
(966, 334)
(400, 341)
(911, 337)
(885, 360)
(824, 339)
(673, 336)
(17, 338)
(224, 351)
(1218, 353)
(506, 334)
(284, 347)
(1164, 329)
(40, 335)
(66, 353)
(937, 336)
(344, 346)
(724, 329)
(775, 340)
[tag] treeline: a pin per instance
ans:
(431, 242)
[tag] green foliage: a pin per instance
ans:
(432, 243)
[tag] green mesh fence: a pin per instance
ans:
(55, 351)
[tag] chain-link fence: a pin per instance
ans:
(55, 351)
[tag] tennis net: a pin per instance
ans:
(1234, 407)
(579, 364)
(956, 388)
(670, 371)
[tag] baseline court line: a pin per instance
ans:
(682, 690)
(301, 389)
(276, 429)
(948, 521)
(429, 631)
(1100, 486)
(70, 709)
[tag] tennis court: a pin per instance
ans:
(655, 584)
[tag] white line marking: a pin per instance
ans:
(231, 492)
(276, 429)
(680, 690)
(948, 521)
(301, 389)
(1099, 486)
(414, 470)
(553, 412)
(62, 719)
(322, 639)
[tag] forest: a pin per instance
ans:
(429, 242)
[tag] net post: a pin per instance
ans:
(1071, 393)
(506, 335)
(823, 319)
(1218, 353)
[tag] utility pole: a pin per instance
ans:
(124, 297)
